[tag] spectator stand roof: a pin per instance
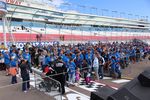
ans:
(56, 16)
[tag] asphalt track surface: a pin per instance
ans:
(14, 92)
(80, 92)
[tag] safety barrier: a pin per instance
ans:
(40, 85)
(47, 84)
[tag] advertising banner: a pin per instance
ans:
(3, 7)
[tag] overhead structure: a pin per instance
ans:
(28, 19)
(3, 11)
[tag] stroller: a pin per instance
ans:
(88, 76)
(48, 80)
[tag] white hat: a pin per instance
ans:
(13, 57)
(6, 51)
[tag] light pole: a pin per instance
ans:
(60, 27)
(103, 11)
(31, 25)
(9, 26)
(114, 13)
(71, 34)
(122, 15)
(94, 8)
(45, 26)
(112, 35)
(83, 7)
(129, 16)
(146, 18)
(4, 29)
(137, 17)
(67, 5)
(107, 33)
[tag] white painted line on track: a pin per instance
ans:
(78, 93)
(121, 81)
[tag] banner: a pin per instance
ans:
(3, 7)
(21, 44)
(16, 2)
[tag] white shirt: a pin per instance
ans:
(95, 62)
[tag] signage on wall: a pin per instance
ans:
(14, 2)
(21, 44)
(3, 7)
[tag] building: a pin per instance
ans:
(30, 21)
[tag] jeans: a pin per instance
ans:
(116, 70)
(26, 82)
(96, 70)
(101, 71)
(138, 56)
(14, 79)
(72, 78)
(61, 78)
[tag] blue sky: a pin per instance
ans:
(126, 8)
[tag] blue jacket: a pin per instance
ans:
(65, 59)
(26, 56)
(117, 55)
(14, 55)
(99, 50)
(132, 52)
(115, 64)
(73, 56)
(6, 58)
(72, 68)
(89, 58)
(79, 59)
(13, 63)
(47, 60)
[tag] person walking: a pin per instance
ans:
(7, 62)
(96, 65)
(13, 69)
(71, 72)
(101, 65)
(60, 68)
(78, 74)
(2, 66)
(25, 70)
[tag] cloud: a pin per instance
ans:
(53, 2)
(58, 2)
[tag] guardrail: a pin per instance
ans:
(47, 84)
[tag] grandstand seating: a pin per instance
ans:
(42, 25)
(72, 33)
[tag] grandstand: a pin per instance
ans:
(94, 51)
(27, 21)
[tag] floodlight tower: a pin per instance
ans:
(3, 11)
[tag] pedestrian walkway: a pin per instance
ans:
(135, 69)
(81, 92)
(13, 92)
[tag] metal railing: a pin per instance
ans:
(47, 84)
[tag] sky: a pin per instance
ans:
(132, 9)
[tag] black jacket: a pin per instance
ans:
(25, 69)
(59, 67)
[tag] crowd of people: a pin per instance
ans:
(71, 62)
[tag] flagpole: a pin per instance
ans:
(3, 11)
(4, 30)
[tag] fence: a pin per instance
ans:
(47, 84)
(42, 88)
